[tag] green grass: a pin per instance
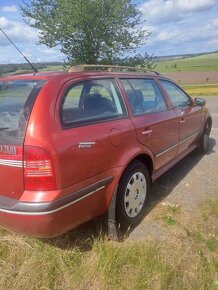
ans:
(169, 220)
(80, 261)
(27, 263)
(206, 62)
(212, 244)
(169, 213)
(197, 236)
(213, 205)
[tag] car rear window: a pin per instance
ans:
(16, 101)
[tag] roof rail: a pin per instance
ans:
(109, 68)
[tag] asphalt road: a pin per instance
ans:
(189, 184)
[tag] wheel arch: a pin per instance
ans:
(124, 220)
(111, 213)
(146, 160)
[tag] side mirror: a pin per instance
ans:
(200, 102)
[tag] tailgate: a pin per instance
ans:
(16, 101)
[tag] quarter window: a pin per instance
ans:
(144, 96)
(92, 101)
(177, 96)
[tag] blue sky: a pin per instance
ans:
(176, 26)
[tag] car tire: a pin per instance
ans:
(204, 141)
(133, 189)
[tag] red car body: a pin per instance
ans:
(54, 177)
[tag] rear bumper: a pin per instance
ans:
(52, 218)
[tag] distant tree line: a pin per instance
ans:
(13, 67)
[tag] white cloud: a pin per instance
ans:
(25, 38)
(213, 24)
(18, 31)
(163, 11)
(194, 5)
(50, 51)
(167, 35)
(181, 26)
(212, 42)
(27, 54)
(186, 33)
(10, 9)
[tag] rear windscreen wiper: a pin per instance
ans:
(5, 128)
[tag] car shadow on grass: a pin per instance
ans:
(81, 238)
(86, 235)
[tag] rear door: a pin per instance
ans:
(188, 114)
(155, 123)
(94, 129)
(16, 101)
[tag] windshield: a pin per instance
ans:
(16, 101)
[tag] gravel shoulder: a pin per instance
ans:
(176, 203)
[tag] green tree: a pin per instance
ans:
(88, 31)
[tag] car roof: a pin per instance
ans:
(64, 75)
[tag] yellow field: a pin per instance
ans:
(201, 90)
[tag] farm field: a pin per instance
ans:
(194, 78)
(202, 63)
(201, 90)
(198, 75)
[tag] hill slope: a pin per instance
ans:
(202, 63)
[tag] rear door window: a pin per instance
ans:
(16, 101)
(144, 96)
(91, 101)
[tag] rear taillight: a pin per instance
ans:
(38, 169)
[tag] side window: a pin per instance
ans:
(144, 96)
(73, 97)
(177, 96)
(91, 101)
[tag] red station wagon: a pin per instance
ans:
(77, 145)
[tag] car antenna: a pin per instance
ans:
(35, 70)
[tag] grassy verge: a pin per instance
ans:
(32, 264)
(96, 263)
(201, 90)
